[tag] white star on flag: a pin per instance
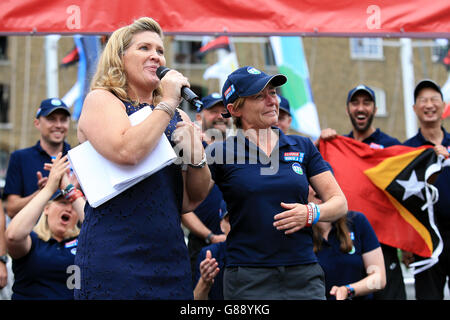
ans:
(412, 186)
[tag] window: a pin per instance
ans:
(185, 50)
(440, 51)
(4, 159)
(269, 57)
(4, 104)
(3, 47)
(366, 48)
(380, 97)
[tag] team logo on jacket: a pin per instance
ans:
(72, 245)
(294, 156)
(352, 236)
(297, 168)
(352, 251)
(374, 145)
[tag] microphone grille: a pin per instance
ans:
(161, 71)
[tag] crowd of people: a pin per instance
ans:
(266, 217)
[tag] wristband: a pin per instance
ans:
(316, 219)
(69, 188)
(350, 291)
(74, 195)
(313, 214)
(201, 164)
(166, 108)
(209, 237)
(309, 215)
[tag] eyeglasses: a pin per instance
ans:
(434, 99)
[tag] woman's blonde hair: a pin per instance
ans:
(110, 74)
(43, 231)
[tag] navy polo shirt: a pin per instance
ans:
(42, 273)
(378, 140)
(23, 164)
(442, 207)
(209, 210)
(253, 197)
(218, 252)
(344, 268)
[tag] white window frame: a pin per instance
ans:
(183, 38)
(366, 48)
(380, 97)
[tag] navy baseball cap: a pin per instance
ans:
(50, 105)
(210, 101)
(247, 81)
(284, 104)
(56, 195)
(360, 87)
(427, 83)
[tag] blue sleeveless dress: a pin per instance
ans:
(132, 246)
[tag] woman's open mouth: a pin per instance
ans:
(65, 218)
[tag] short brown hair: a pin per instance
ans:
(238, 104)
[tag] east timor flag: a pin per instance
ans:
(388, 186)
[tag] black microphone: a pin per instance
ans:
(186, 92)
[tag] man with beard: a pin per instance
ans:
(26, 174)
(204, 222)
(361, 109)
(214, 126)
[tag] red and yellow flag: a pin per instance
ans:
(388, 186)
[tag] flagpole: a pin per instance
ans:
(221, 54)
(406, 55)
(51, 65)
(26, 94)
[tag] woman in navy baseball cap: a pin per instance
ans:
(264, 176)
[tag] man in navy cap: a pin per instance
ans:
(26, 174)
(214, 126)
(429, 106)
(284, 117)
(361, 109)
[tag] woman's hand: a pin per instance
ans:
(341, 293)
(58, 169)
(292, 219)
(441, 150)
(208, 268)
(188, 138)
(171, 85)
